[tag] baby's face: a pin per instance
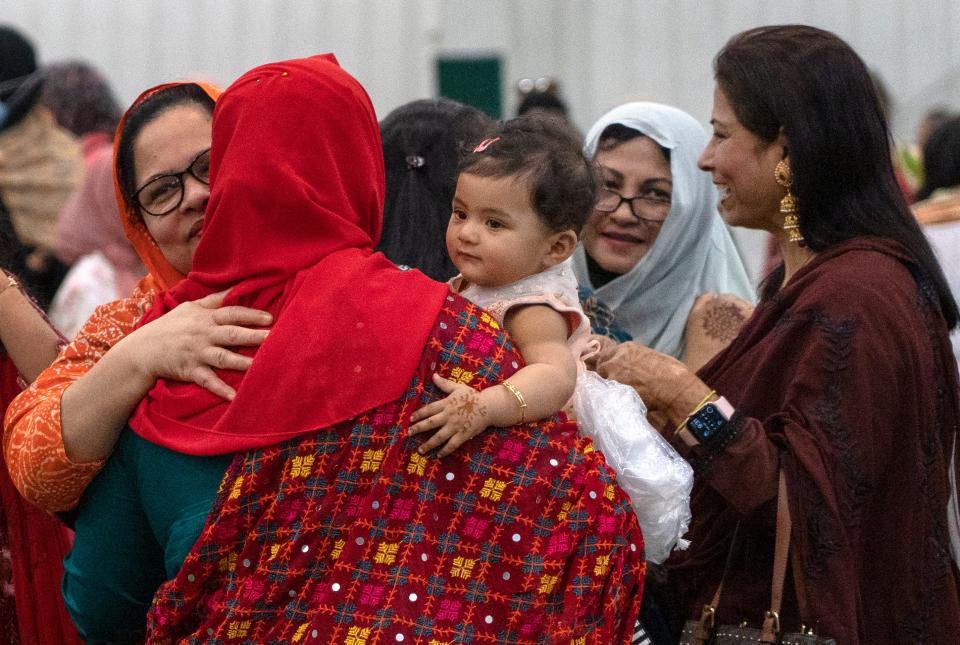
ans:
(495, 237)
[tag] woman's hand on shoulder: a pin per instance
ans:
(714, 321)
(190, 341)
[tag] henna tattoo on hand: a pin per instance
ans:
(469, 407)
(722, 321)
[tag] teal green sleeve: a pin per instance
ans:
(177, 491)
(135, 525)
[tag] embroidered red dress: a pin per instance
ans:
(329, 526)
(348, 535)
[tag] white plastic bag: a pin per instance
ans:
(657, 479)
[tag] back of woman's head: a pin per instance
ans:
(143, 113)
(812, 86)
(80, 98)
(941, 159)
(422, 143)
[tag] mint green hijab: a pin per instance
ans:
(693, 253)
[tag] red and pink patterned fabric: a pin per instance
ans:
(349, 536)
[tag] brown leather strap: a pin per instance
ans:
(770, 630)
(705, 626)
(783, 546)
(708, 617)
(800, 590)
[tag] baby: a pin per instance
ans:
(521, 199)
(520, 202)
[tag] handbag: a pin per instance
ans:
(704, 631)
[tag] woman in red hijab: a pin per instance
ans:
(328, 521)
(61, 429)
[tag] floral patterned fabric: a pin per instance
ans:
(349, 536)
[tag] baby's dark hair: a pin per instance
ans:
(563, 183)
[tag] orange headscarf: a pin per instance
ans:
(163, 273)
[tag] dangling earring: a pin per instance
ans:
(788, 205)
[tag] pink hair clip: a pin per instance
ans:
(486, 143)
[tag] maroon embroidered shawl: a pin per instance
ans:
(349, 536)
(847, 380)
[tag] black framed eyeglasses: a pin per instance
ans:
(163, 194)
(650, 208)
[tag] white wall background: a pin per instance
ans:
(603, 52)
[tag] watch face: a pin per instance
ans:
(706, 423)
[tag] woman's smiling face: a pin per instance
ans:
(633, 168)
(169, 144)
(742, 167)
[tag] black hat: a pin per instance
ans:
(17, 58)
(19, 83)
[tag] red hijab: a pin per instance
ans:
(297, 186)
(163, 273)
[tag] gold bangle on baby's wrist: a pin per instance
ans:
(520, 400)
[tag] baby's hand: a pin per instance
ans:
(459, 417)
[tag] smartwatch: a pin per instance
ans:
(707, 422)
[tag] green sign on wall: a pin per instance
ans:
(474, 80)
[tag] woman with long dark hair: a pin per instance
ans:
(422, 142)
(842, 384)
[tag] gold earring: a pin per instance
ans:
(788, 205)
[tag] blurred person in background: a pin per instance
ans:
(938, 204)
(90, 236)
(422, 143)
(41, 164)
(656, 263)
(32, 543)
(911, 157)
(541, 98)
(80, 99)
(932, 119)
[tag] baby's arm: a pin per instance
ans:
(546, 383)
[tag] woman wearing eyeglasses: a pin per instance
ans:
(655, 242)
(61, 429)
